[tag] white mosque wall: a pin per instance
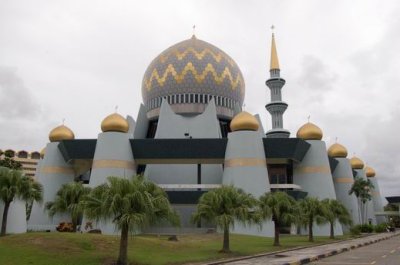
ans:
(343, 181)
(52, 174)
(369, 206)
(171, 125)
(16, 218)
(313, 174)
(377, 201)
(246, 168)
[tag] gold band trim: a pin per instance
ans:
(343, 180)
(56, 170)
(312, 170)
(245, 162)
(199, 76)
(113, 164)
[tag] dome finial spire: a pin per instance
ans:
(116, 108)
(274, 64)
(194, 31)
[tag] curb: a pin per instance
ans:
(338, 251)
(228, 260)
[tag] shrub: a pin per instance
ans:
(355, 230)
(380, 228)
(366, 228)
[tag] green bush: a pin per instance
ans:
(358, 229)
(380, 228)
(355, 230)
(366, 228)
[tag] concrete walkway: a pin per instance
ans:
(305, 255)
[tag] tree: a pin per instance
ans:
(9, 162)
(362, 190)
(281, 207)
(394, 220)
(311, 211)
(131, 204)
(335, 211)
(225, 206)
(13, 184)
(69, 200)
(34, 194)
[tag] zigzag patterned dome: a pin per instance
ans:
(188, 75)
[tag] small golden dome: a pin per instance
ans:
(244, 121)
(60, 133)
(337, 150)
(370, 172)
(309, 131)
(43, 152)
(114, 123)
(356, 163)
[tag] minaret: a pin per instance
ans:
(276, 107)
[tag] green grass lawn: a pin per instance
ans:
(90, 249)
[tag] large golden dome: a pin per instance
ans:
(244, 121)
(114, 123)
(60, 133)
(337, 150)
(370, 172)
(309, 131)
(188, 75)
(356, 163)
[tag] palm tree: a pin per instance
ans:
(335, 210)
(69, 200)
(311, 211)
(131, 204)
(362, 190)
(34, 192)
(281, 207)
(224, 206)
(13, 185)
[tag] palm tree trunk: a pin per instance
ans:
(332, 236)
(310, 231)
(225, 246)
(362, 211)
(4, 221)
(123, 247)
(276, 238)
(74, 224)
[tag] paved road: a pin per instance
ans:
(377, 249)
(386, 252)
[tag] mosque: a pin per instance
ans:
(191, 136)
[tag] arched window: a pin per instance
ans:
(9, 153)
(35, 155)
(23, 154)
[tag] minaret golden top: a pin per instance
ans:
(274, 54)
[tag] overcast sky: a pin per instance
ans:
(79, 59)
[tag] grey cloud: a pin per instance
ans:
(382, 151)
(315, 75)
(16, 100)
